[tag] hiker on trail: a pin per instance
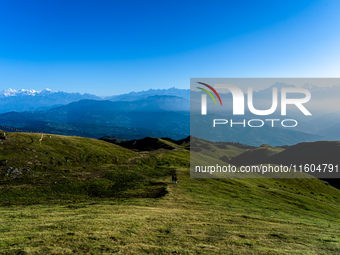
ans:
(42, 135)
(176, 179)
(173, 179)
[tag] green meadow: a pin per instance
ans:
(74, 195)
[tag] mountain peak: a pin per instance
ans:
(29, 92)
(31, 100)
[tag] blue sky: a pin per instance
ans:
(114, 47)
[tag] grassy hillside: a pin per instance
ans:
(219, 150)
(256, 156)
(145, 144)
(55, 151)
(317, 152)
(128, 205)
(67, 169)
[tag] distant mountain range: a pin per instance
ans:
(158, 116)
(133, 96)
(27, 92)
(32, 100)
(165, 114)
(155, 112)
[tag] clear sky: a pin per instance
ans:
(115, 46)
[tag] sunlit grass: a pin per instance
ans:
(131, 207)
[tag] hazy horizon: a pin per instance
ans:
(298, 82)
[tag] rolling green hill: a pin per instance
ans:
(218, 150)
(256, 156)
(145, 144)
(78, 195)
(315, 152)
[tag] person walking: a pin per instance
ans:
(176, 179)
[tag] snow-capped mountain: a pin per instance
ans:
(33, 100)
(28, 92)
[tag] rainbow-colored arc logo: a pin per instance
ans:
(209, 93)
